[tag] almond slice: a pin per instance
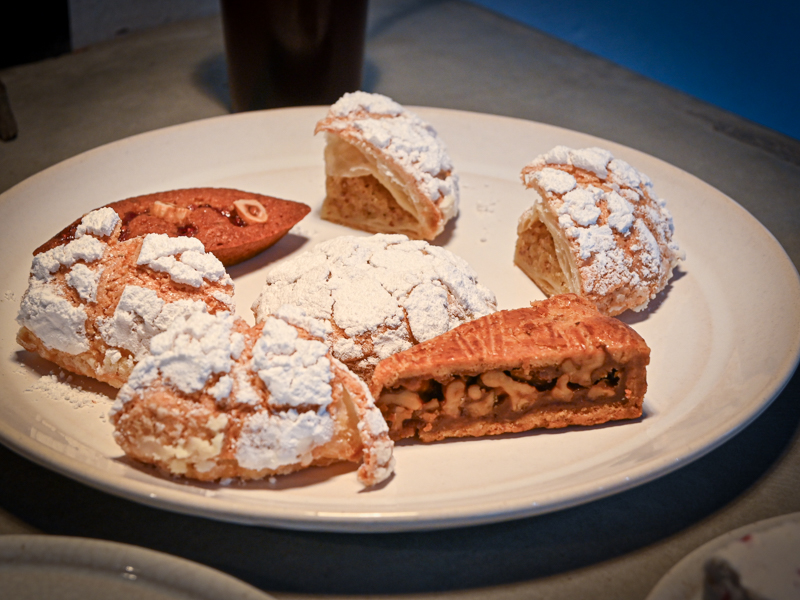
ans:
(169, 212)
(251, 211)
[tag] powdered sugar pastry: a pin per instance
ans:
(387, 170)
(93, 304)
(597, 229)
(375, 296)
(217, 399)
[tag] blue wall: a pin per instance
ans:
(741, 56)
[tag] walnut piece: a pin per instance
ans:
(170, 212)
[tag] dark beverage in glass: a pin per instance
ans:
(292, 52)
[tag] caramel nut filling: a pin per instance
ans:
(430, 405)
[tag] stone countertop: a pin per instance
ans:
(456, 55)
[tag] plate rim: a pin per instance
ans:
(677, 573)
(104, 557)
(400, 521)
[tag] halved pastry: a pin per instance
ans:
(93, 303)
(596, 229)
(555, 364)
(387, 171)
(219, 399)
(233, 225)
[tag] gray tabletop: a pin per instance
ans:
(454, 55)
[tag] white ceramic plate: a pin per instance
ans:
(39, 566)
(724, 334)
(684, 581)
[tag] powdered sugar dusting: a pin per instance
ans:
(592, 159)
(379, 294)
(62, 387)
(53, 319)
(186, 354)
(45, 310)
(375, 104)
(86, 248)
(274, 427)
(619, 230)
(426, 306)
(58, 302)
(581, 205)
(272, 440)
(554, 180)
(134, 320)
(620, 211)
(403, 138)
(183, 258)
(226, 299)
(100, 222)
(624, 174)
(84, 280)
(192, 349)
(157, 245)
(298, 317)
(296, 371)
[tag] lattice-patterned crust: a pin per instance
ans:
(555, 364)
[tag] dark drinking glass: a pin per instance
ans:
(292, 52)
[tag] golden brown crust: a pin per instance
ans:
(209, 214)
(88, 363)
(562, 342)
(118, 269)
(597, 230)
(409, 164)
(199, 437)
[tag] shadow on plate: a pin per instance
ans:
(630, 317)
(288, 244)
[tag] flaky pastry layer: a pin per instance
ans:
(404, 181)
(596, 229)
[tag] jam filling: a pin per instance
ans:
(188, 230)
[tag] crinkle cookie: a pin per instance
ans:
(596, 229)
(377, 295)
(93, 303)
(218, 399)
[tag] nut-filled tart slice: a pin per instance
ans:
(555, 364)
